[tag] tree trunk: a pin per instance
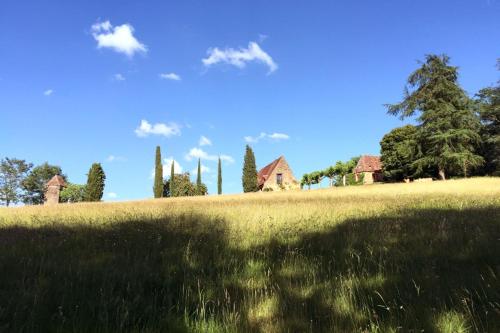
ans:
(331, 182)
(308, 186)
(442, 174)
(343, 179)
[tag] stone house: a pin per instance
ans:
(371, 168)
(53, 189)
(277, 176)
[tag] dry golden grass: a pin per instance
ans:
(266, 213)
(389, 257)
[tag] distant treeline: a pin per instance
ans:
(20, 181)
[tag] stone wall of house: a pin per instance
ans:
(52, 195)
(368, 178)
(288, 180)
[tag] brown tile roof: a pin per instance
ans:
(368, 163)
(56, 181)
(266, 171)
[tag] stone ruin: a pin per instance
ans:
(54, 187)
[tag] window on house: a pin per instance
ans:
(279, 178)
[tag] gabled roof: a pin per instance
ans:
(368, 163)
(266, 171)
(56, 181)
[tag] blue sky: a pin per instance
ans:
(107, 81)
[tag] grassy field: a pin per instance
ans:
(382, 258)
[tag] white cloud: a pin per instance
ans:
(199, 153)
(168, 130)
(167, 165)
(251, 139)
(113, 158)
(112, 195)
(196, 153)
(263, 135)
(204, 141)
(170, 76)
(279, 136)
(204, 169)
(48, 92)
(240, 57)
(119, 77)
(120, 38)
(226, 158)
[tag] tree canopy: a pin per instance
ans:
(12, 172)
(489, 111)
(399, 151)
(340, 173)
(183, 187)
(72, 193)
(34, 185)
(448, 127)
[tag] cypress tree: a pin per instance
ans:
(95, 183)
(219, 177)
(172, 173)
(158, 185)
(198, 178)
(249, 177)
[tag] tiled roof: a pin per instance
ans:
(368, 163)
(264, 173)
(56, 181)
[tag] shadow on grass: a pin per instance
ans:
(401, 273)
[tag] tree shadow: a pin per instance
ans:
(397, 272)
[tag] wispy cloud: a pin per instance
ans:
(112, 195)
(240, 57)
(226, 158)
(167, 130)
(48, 92)
(119, 77)
(278, 136)
(170, 76)
(167, 165)
(263, 135)
(204, 169)
(204, 141)
(196, 153)
(113, 158)
(120, 38)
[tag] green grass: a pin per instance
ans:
(384, 258)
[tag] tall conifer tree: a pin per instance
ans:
(172, 177)
(95, 183)
(198, 176)
(489, 110)
(249, 177)
(448, 127)
(158, 185)
(219, 177)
